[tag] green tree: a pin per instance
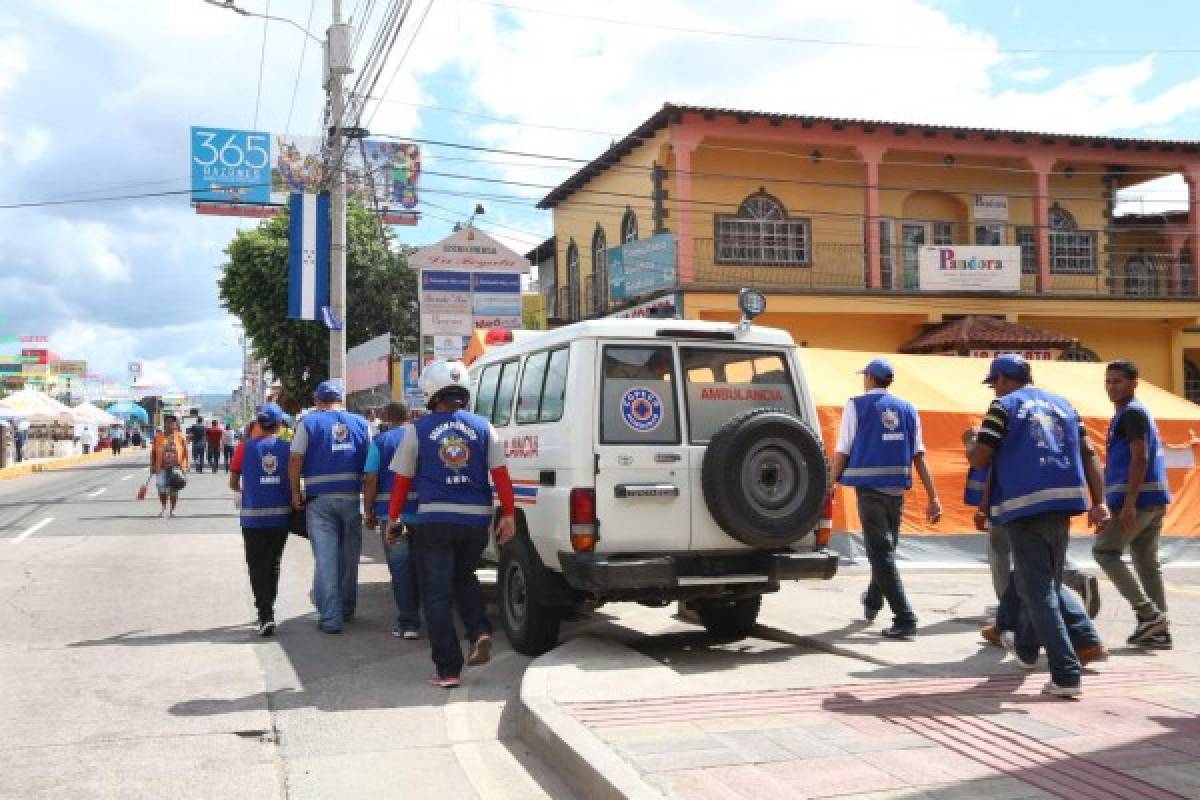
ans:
(381, 298)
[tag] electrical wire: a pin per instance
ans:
(822, 42)
(396, 71)
(287, 126)
(262, 60)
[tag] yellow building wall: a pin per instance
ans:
(876, 334)
(1148, 343)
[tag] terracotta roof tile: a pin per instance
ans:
(988, 333)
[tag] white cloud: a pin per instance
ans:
(1031, 75)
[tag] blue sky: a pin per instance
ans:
(96, 98)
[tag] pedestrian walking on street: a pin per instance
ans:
(87, 438)
(213, 440)
(20, 438)
(329, 451)
(257, 475)
(1135, 486)
(1043, 472)
(116, 439)
(878, 445)
(377, 494)
(197, 437)
(229, 444)
(168, 452)
(447, 456)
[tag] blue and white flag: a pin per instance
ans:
(308, 257)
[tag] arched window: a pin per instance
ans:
(1072, 251)
(573, 284)
(629, 228)
(762, 233)
(1077, 353)
(1191, 381)
(1139, 275)
(599, 270)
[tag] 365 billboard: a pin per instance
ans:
(231, 166)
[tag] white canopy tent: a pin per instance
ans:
(88, 413)
(32, 404)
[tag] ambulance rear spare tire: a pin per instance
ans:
(765, 478)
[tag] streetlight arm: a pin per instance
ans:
(247, 13)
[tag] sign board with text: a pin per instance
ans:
(966, 268)
(641, 267)
(991, 207)
(231, 166)
(469, 250)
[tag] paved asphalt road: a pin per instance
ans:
(129, 668)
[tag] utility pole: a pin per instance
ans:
(337, 57)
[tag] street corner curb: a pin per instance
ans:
(15, 472)
(69, 461)
(589, 766)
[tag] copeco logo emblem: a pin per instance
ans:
(454, 453)
(641, 409)
(890, 420)
(269, 463)
(340, 431)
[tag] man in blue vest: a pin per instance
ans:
(257, 474)
(377, 494)
(1043, 471)
(329, 451)
(878, 444)
(1135, 486)
(448, 456)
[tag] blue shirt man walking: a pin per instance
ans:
(329, 451)
(1043, 471)
(878, 444)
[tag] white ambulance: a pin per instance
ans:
(654, 461)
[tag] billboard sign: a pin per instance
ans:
(445, 300)
(230, 166)
(380, 174)
(641, 267)
(496, 299)
(955, 268)
(469, 250)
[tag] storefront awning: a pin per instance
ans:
(984, 333)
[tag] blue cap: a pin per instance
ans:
(879, 369)
(268, 414)
(328, 391)
(1010, 365)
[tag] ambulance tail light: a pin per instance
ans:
(825, 525)
(583, 520)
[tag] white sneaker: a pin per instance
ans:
(1009, 639)
(1054, 690)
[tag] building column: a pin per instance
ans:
(683, 208)
(1041, 218)
(1192, 178)
(874, 261)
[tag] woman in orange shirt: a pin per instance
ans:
(170, 450)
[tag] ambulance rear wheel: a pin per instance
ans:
(530, 625)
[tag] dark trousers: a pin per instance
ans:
(880, 515)
(1079, 626)
(116, 447)
(228, 451)
(447, 556)
(264, 552)
(87, 448)
(198, 456)
(1039, 547)
(214, 458)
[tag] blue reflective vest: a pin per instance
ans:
(882, 453)
(266, 495)
(1037, 468)
(1154, 491)
(452, 480)
(336, 453)
(976, 483)
(388, 443)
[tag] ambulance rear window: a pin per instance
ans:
(723, 383)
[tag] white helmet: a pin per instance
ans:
(442, 377)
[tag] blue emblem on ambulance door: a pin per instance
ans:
(641, 409)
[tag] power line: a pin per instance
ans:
(287, 127)
(400, 63)
(262, 60)
(823, 42)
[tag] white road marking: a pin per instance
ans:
(31, 531)
(99, 492)
(127, 477)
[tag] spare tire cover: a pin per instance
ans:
(765, 478)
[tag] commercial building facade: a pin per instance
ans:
(833, 217)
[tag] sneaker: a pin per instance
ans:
(869, 614)
(445, 683)
(897, 632)
(1148, 628)
(992, 635)
(481, 650)
(1054, 690)
(1091, 653)
(1009, 640)
(411, 634)
(266, 628)
(1161, 641)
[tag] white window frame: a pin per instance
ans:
(762, 234)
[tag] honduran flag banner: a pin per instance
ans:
(308, 256)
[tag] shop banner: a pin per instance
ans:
(668, 307)
(992, 207)
(964, 268)
(445, 300)
(641, 267)
(496, 299)
(469, 250)
(231, 166)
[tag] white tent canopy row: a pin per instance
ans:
(32, 404)
(88, 413)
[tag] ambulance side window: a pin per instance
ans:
(530, 396)
(485, 395)
(502, 413)
(554, 393)
(638, 399)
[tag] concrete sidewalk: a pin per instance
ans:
(813, 711)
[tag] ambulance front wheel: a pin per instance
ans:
(530, 624)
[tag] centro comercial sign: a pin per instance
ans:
(965, 268)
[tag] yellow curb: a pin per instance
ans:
(21, 470)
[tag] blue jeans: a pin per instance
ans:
(1079, 626)
(447, 556)
(1039, 548)
(402, 566)
(335, 532)
(880, 516)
